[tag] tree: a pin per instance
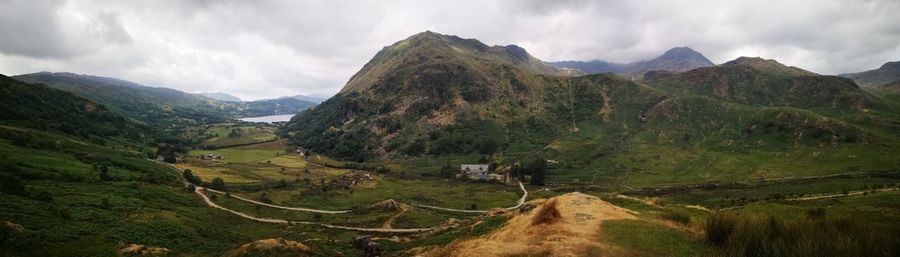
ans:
(317, 217)
(265, 198)
(105, 204)
(104, 173)
(11, 184)
(189, 176)
(538, 170)
(486, 145)
(517, 171)
(217, 184)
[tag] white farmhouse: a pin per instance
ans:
(476, 171)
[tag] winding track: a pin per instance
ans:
(281, 221)
(278, 206)
(198, 190)
(518, 203)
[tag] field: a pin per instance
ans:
(140, 202)
(227, 135)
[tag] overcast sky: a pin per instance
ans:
(265, 49)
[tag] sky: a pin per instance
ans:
(267, 49)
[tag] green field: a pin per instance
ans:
(226, 135)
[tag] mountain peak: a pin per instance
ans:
(677, 59)
(682, 52)
(441, 51)
(891, 65)
(768, 65)
(887, 74)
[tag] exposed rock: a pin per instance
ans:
(141, 250)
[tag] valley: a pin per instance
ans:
(750, 157)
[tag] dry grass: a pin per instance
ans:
(271, 247)
(548, 214)
(141, 250)
(566, 225)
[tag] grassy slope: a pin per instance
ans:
(63, 212)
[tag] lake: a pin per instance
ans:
(269, 119)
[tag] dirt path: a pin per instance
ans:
(822, 196)
(279, 206)
(660, 190)
(210, 203)
(388, 224)
(835, 195)
(386, 227)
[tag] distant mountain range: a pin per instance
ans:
(158, 105)
(887, 76)
(677, 59)
(224, 97)
(311, 99)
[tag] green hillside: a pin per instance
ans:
(160, 106)
(423, 96)
(40, 107)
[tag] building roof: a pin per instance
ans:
(475, 167)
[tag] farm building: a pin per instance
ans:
(211, 156)
(475, 171)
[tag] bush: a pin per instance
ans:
(11, 184)
(676, 217)
(816, 213)
(801, 237)
(217, 184)
(718, 228)
(538, 170)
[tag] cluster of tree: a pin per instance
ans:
(217, 184)
(190, 177)
(168, 151)
(235, 132)
(536, 168)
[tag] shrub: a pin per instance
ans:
(816, 213)
(676, 217)
(11, 184)
(217, 184)
(801, 237)
(718, 228)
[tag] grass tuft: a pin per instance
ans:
(547, 215)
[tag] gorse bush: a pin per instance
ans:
(822, 237)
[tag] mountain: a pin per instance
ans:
(44, 108)
(152, 105)
(426, 95)
(282, 105)
(760, 82)
(677, 59)
(433, 84)
(158, 105)
(312, 99)
(591, 67)
(221, 96)
(448, 54)
(886, 74)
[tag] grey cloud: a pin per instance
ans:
(264, 49)
(29, 29)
